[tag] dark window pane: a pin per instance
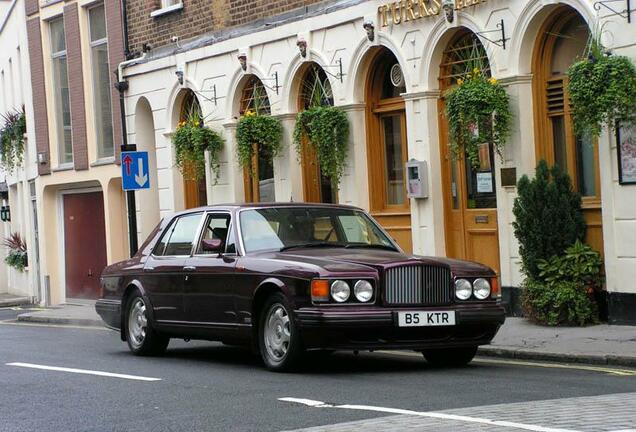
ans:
(97, 23)
(585, 160)
(558, 138)
(393, 142)
(183, 234)
(480, 181)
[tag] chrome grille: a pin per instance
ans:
(420, 284)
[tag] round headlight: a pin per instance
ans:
(463, 289)
(363, 291)
(340, 291)
(481, 288)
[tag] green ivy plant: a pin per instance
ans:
(327, 131)
(17, 256)
(190, 141)
(478, 111)
(260, 131)
(602, 89)
(12, 139)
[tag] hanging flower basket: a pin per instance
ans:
(17, 256)
(12, 139)
(327, 131)
(478, 111)
(602, 90)
(255, 131)
(190, 141)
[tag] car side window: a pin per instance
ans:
(180, 236)
(216, 227)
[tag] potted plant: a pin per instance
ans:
(602, 89)
(191, 140)
(17, 256)
(327, 131)
(478, 111)
(255, 131)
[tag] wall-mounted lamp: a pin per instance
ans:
(302, 47)
(179, 74)
(5, 214)
(369, 27)
(242, 58)
(42, 158)
(449, 10)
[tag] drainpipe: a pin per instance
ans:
(124, 17)
(122, 86)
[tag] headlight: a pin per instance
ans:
(481, 288)
(463, 289)
(340, 291)
(363, 291)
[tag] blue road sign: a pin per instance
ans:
(135, 170)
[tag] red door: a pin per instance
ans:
(84, 243)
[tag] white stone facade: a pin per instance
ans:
(418, 46)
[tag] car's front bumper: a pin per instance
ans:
(377, 327)
(110, 312)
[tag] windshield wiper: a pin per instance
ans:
(310, 245)
(371, 246)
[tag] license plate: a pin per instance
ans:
(426, 318)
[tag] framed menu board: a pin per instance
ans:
(626, 152)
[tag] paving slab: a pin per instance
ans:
(599, 344)
(81, 313)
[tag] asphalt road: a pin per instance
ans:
(208, 386)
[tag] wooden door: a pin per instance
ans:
(470, 204)
(84, 243)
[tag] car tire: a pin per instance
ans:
(142, 339)
(450, 357)
(279, 340)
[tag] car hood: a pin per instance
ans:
(338, 259)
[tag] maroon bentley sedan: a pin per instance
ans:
(291, 278)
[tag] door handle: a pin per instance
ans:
(148, 269)
(189, 268)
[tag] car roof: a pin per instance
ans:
(237, 206)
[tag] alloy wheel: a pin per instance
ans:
(277, 332)
(137, 323)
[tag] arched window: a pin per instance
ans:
(387, 146)
(259, 185)
(470, 196)
(315, 90)
(562, 41)
(194, 191)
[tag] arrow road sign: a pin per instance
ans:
(134, 170)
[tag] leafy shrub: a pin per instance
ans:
(548, 217)
(327, 131)
(12, 139)
(580, 264)
(17, 256)
(559, 302)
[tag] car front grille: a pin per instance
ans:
(419, 284)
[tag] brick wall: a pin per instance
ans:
(76, 86)
(197, 17)
(114, 30)
(34, 35)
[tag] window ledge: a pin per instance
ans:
(64, 167)
(104, 161)
(166, 10)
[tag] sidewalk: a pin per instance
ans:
(517, 338)
(599, 344)
(79, 313)
(8, 300)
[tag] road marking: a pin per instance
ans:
(600, 369)
(319, 404)
(83, 371)
(28, 324)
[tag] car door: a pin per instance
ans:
(163, 277)
(208, 295)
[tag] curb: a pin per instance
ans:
(18, 301)
(521, 354)
(82, 322)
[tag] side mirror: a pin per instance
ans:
(212, 245)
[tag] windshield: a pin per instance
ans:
(289, 227)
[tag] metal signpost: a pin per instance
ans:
(135, 175)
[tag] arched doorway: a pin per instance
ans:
(562, 41)
(387, 146)
(470, 196)
(315, 90)
(259, 184)
(194, 191)
(148, 199)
